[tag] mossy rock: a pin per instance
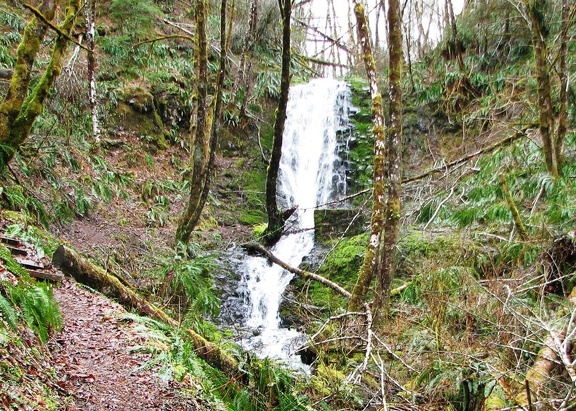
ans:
(343, 263)
(417, 249)
(172, 106)
(136, 112)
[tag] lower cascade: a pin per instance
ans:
(311, 174)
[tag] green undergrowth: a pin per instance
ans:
(361, 145)
(547, 206)
(265, 384)
(29, 314)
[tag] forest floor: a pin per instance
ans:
(99, 359)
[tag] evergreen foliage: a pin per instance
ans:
(27, 302)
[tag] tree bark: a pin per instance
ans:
(276, 219)
(370, 263)
(393, 172)
(567, 21)
(90, 19)
(539, 32)
(516, 217)
(89, 274)
(205, 136)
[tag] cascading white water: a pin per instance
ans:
(305, 181)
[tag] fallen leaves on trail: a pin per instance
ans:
(97, 367)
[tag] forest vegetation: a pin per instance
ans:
(139, 149)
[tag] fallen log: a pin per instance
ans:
(259, 249)
(83, 271)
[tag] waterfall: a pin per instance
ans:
(308, 177)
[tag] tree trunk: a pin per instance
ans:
(393, 173)
(369, 266)
(205, 137)
(90, 19)
(567, 12)
(546, 116)
(246, 67)
(516, 217)
(276, 219)
(89, 274)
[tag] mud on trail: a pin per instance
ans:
(99, 365)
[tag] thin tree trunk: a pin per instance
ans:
(567, 21)
(369, 266)
(546, 116)
(90, 18)
(393, 173)
(516, 217)
(204, 142)
(247, 47)
(276, 219)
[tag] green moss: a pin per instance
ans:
(343, 263)
(254, 182)
(341, 266)
(361, 153)
(137, 113)
(418, 251)
(252, 217)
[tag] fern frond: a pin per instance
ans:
(8, 312)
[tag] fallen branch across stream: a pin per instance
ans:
(85, 272)
(259, 249)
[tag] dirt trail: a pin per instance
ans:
(96, 367)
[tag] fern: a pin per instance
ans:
(38, 307)
(8, 313)
(11, 264)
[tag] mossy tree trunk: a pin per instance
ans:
(204, 136)
(536, 12)
(22, 105)
(371, 257)
(276, 218)
(393, 172)
(243, 85)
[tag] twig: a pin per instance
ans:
(369, 334)
(438, 209)
(519, 134)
